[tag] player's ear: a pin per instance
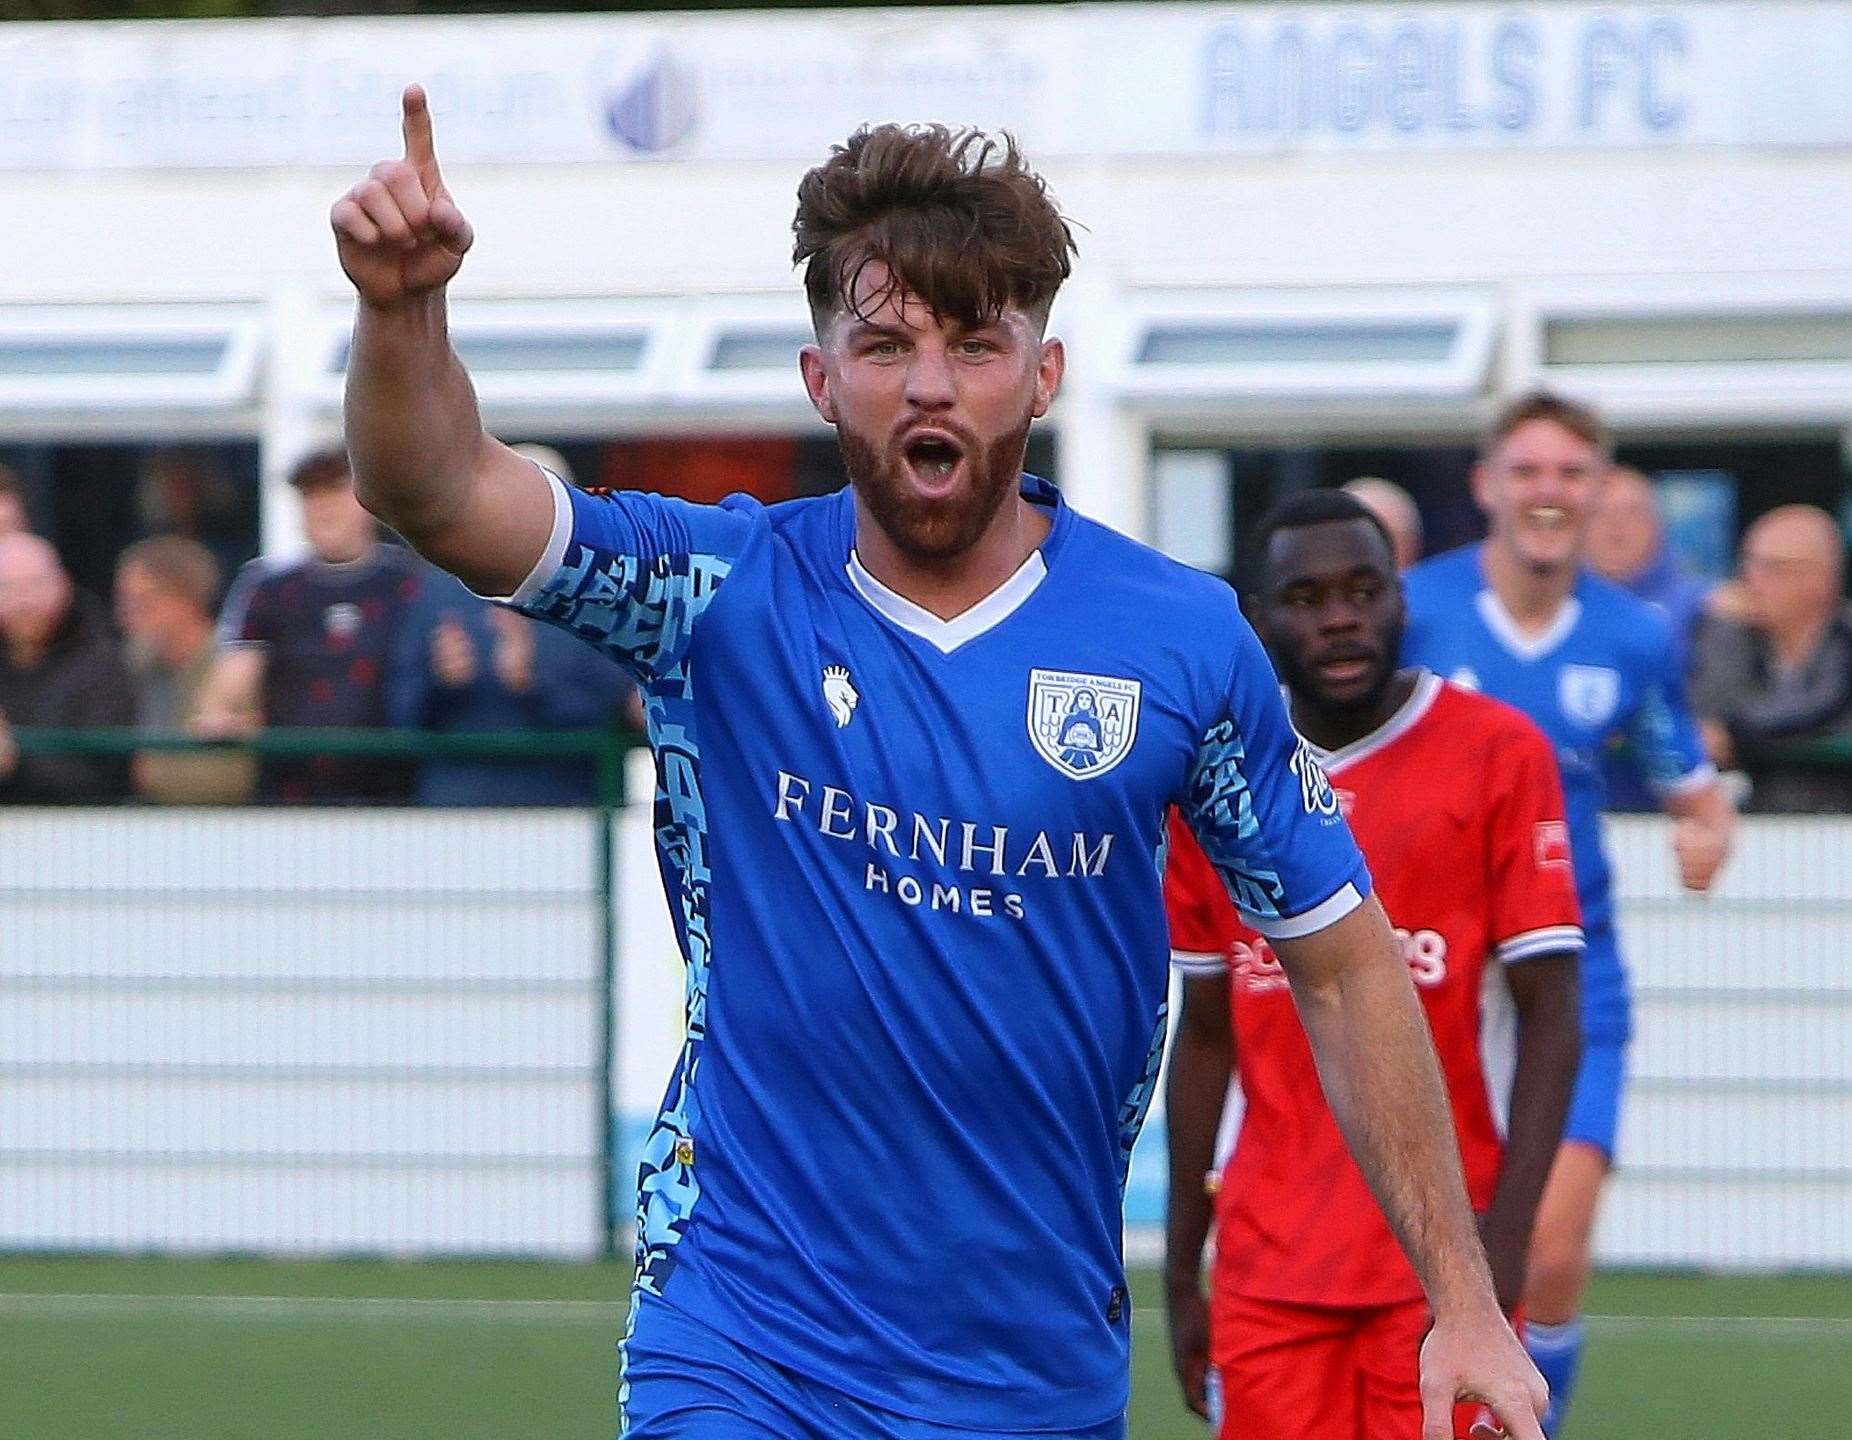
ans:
(817, 381)
(1048, 372)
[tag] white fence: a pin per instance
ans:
(1736, 1138)
(334, 1031)
(381, 1031)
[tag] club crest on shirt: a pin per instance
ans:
(1589, 694)
(342, 620)
(1083, 725)
(839, 694)
(1315, 792)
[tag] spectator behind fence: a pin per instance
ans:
(59, 667)
(1396, 508)
(1774, 661)
(1627, 544)
(462, 664)
(306, 643)
(183, 491)
(15, 518)
(165, 591)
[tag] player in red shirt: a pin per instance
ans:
(1315, 1319)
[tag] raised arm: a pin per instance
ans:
(422, 461)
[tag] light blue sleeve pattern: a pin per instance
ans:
(1664, 736)
(1266, 815)
(633, 573)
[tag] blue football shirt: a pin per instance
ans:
(915, 871)
(1606, 667)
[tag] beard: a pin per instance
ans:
(1306, 683)
(927, 528)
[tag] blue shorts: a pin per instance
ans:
(683, 1380)
(1594, 1105)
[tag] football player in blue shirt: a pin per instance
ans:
(915, 746)
(1519, 617)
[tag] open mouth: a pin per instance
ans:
(1344, 669)
(934, 459)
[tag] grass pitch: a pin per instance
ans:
(159, 1349)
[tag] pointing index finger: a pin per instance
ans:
(420, 149)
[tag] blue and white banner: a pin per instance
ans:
(1082, 81)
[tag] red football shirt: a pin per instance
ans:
(1458, 808)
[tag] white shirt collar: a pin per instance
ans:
(1505, 629)
(947, 635)
(1407, 715)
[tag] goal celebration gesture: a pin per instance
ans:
(398, 232)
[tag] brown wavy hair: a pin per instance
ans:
(957, 218)
(1581, 421)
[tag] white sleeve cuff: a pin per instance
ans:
(1198, 963)
(1550, 940)
(551, 557)
(1327, 912)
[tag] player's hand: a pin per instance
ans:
(1189, 1348)
(1700, 848)
(453, 654)
(9, 749)
(1480, 1360)
(398, 233)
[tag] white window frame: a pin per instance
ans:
(1685, 394)
(674, 389)
(697, 383)
(517, 391)
(1460, 377)
(230, 386)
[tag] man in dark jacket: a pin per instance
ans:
(59, 666)
(463, 665)
(1775, 663)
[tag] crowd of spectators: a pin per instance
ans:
(356, 634)
(360, 634)
(1767, 653)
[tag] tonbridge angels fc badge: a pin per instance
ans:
(1083, 725)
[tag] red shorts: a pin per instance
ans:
(1320, 1372)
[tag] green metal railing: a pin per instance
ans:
(1833, 752)
(605, 749)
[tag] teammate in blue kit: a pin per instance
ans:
(1521, 619)
(915, 747)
